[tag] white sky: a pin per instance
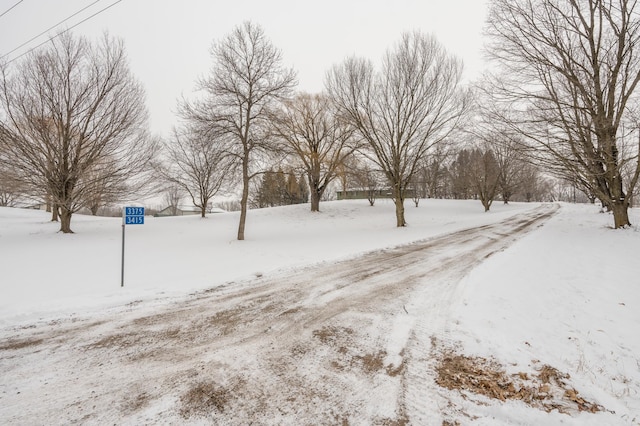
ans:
(168, 41)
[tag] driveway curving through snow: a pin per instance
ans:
(339, 343)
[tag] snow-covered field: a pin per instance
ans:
(45, 273)
(565, 295)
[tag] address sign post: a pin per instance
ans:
(130, 216)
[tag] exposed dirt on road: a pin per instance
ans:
(342, 343)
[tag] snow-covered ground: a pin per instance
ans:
(565, 295)
(46, 273)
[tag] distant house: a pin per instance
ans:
(40, 206)
(363, 194)
(185, 211)
(178, 211)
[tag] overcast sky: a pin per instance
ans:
(168, 41)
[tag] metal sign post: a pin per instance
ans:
(130, 216)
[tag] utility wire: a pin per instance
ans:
(9, 10)
(49, 29)
(61, 32)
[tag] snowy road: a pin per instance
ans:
(340, 343)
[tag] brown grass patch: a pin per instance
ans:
(476, 375)
(547, 390)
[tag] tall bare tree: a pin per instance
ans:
(173, 194)
(533, 186)
(433, 172)
(315, 136)
(507, 148)
(459, 174)
(510, 165)
(11, 187)
(484, 175)
(73, 111)
(368, 179)
(100, 190)
(347, 172)
(247, 77)
(197, 165)
(570, 71)
(413, 103)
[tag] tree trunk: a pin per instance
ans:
(485, 200)
(399, 201)
(315, 200)
(371, 197)
(54, 212)
(315, 186)
(203, 211)
(65, 220)
(620, 214)
(245, 196)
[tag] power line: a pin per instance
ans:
(49, 29)
(9, 10)
(61, 32)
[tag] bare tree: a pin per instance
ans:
(347, 171)
(506, 147)
(11, 188)
(484, 175)
(459, 174)
(412, 104)
(432, 172)
(510, 165)
(316, 137)
(197, 165)
(73, 111)
(369, 180)
(172, 197)
(101, 188)
(414, 190)
(533, 186)
(247, 77)
(570, 71)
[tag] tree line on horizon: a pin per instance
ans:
(559, 104)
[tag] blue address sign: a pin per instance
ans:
(130, 216)
(134, 211)
(134, 215)
(134, 220)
